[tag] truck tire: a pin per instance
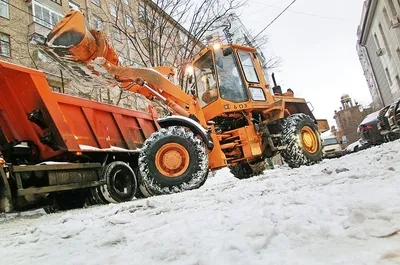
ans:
(172, 160)
(121, 182)
(67, 201)
(139, 194)
(302, 140)
(98, 196)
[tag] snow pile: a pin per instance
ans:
(342, 211)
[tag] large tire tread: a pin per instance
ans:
(295, 154)
(154, 183)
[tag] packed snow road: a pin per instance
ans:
(342, 211)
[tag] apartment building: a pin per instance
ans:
(132, 27)
(378, 47)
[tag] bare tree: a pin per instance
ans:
(167, 32)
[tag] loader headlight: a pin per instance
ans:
(257, 93)
(189, 69)
(217, 46)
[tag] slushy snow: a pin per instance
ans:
(341, 211)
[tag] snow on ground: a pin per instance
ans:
(342, 211)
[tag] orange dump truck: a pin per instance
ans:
(61, 151)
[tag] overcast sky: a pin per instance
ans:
(318, 49)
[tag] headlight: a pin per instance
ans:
(257, 93)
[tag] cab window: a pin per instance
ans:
(231, 86)
(248, 67)
(205, 79)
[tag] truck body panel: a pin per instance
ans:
(73, 124)
(61, 151)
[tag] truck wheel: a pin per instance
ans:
(121, 182)
(172, 160)
(98, 196)
(139, 194)
(67, 201)
(302, 140)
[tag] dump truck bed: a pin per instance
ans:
(58, 123)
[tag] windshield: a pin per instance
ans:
(329, 141)
(205, 79)
(248, 67)
(231, 86)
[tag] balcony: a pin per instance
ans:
(43, 20)
(37, 33)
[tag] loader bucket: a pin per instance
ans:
(71, 35)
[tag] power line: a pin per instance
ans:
(280, 14)
(302, 13)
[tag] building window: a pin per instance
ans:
(121, 59)
(386, 15)
(392, 8)
(74, 6)
(117, 34)
(388, 76)
(113, 10)
(385, 42)
(4, 9)
(56, 89)
(129, 21)
(378, 45)
(142, 11)
(98, 23)
(45, 16)
(41, 56)
(96, 2)
(5, 47)
(56, 1)
(398, 53)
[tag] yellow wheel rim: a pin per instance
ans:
(309, 139)
(172, 160)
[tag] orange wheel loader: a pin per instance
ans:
(230, 118)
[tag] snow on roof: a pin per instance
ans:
(370, 117)
(327, 134)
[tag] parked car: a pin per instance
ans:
(330, 146)
(354, 147)
(369, 131)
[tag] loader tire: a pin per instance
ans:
(121, 182)
(302, 140)
(172, 160)
(247, 170)
(242, 171)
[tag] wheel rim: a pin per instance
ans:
(309, 139)
(122, 182)
(172, 160)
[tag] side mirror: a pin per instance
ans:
(227, 51)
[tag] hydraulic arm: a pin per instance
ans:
(92, 48)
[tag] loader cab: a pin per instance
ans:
(229, 78)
